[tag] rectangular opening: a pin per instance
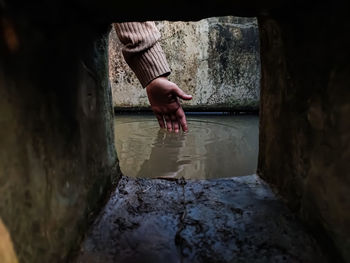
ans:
(217, 60)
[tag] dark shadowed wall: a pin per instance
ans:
(305, 123)
(57, 157)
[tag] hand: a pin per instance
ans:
(163, 96)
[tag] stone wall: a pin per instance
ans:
(57, 157)
(216, 60)
(304, 118)
(56, 142)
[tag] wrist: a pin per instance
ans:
(156, 81)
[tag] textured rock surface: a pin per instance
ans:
(50, 135)
(57, 157)
(215, 59)
(305, 124)
(223, 220)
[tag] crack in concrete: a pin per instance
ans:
(180, 242)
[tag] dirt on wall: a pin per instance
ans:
(216, 60)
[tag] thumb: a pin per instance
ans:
(181, 94)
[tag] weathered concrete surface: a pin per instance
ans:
(305, 124)
(57, 157)
(223, 220)
(216, 60)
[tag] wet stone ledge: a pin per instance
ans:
(223, 220)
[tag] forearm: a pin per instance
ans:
(142, 50)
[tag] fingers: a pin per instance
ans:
(171, 122)
(181, 94)
(174, 122)
(160, 120)
(168, 122)
(180, 114)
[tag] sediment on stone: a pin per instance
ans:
(222, 220)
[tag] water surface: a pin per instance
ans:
(214, 147)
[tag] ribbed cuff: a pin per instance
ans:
(149, 64)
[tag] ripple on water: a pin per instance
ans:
(215, 146)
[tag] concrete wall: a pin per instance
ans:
(305, 124)
(216, 60)
(56, 146)
(57, 157)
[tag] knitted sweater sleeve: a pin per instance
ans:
(142, 50)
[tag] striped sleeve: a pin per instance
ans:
(142, 50)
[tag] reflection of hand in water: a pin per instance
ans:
(164, 158)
